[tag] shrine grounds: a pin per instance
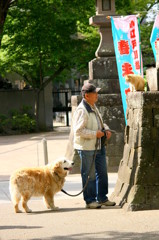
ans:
(73, 220)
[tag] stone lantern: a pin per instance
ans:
(104, 66)
(104, 8)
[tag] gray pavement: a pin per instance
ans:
(72, 221)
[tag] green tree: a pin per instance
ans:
(45, 39)
(141, 7)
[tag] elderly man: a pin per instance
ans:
(89, 134)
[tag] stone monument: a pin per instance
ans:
(137, 187)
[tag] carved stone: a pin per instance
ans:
(137, 187)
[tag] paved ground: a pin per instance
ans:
(72, 221)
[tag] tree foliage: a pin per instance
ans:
(141, 8)
(43, 39)
(54, 36)
(47, 39)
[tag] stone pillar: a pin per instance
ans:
(152, 74)
(137, 187)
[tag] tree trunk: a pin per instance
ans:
(37, 93)
(4, 6)
(37, 104)
(40, 110)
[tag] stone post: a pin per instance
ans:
(137, 187)
(152, 74)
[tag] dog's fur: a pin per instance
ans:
(41, 181)
(137, 83)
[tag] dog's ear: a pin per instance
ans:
(54, 166)
(57, 165)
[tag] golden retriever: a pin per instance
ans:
(40, 181)
(137, 83)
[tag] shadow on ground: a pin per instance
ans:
(18, 227)
(70, 210)
(107, 235)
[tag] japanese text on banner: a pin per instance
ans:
(127, 50)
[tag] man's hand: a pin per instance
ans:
(99, 134)
(108, 134)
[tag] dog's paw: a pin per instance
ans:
(18, 211)
(48, 207)
(55, 208)
(28, 210)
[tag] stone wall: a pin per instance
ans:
(16, 99)
(137, 187)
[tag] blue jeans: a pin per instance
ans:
(97, 187)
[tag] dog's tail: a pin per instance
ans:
(14, 191)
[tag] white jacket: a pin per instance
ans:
(86, 122)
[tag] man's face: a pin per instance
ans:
(91, 97)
